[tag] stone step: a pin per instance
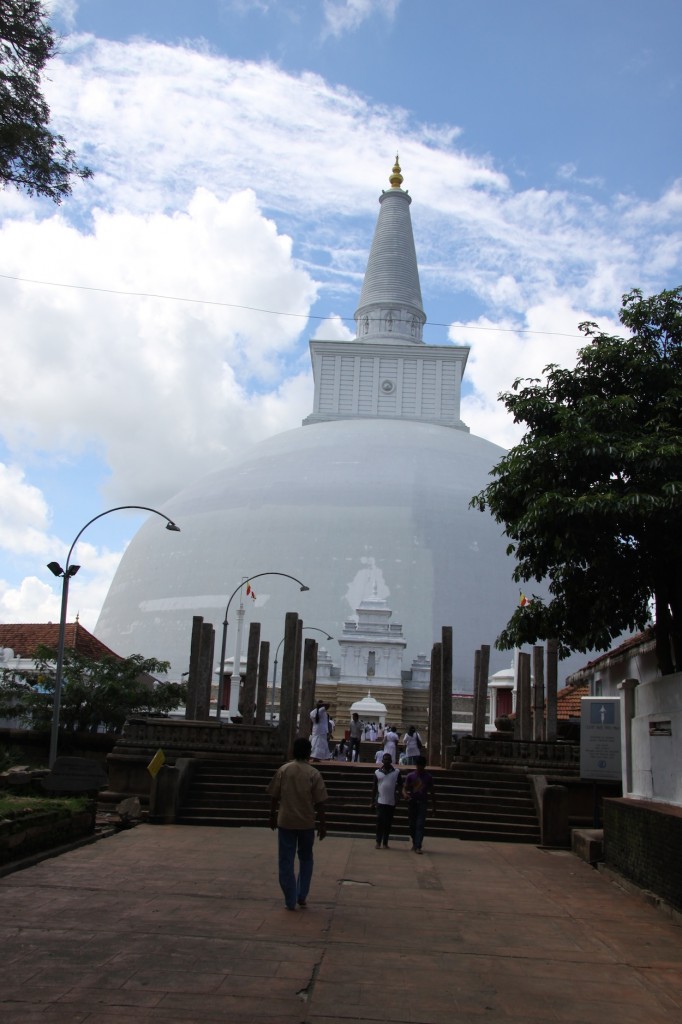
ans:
(491, 804)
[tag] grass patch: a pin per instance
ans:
(21, 806)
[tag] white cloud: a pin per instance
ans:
(153, 384)
(24, 515)
(31, 601)
(501, 352)
(347, 15)
(216, 181)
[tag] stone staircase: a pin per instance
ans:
(482, 802)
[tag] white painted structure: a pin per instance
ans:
(370, 709)
(374, 486)
(651, 717)
(372, 647)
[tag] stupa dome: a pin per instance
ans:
(372, 492)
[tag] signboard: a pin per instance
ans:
(600, 738)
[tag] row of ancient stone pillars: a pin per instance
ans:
(536, 703)
(296, 699)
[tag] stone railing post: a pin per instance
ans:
(262, 696)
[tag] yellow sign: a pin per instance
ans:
(158, 760)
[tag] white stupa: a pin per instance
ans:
(368, 500)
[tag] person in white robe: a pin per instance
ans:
(319, 739)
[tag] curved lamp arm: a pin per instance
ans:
(170, 525)
(236, 590)
(66, 573)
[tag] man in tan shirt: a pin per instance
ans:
(297, 793)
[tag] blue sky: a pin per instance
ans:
(239, 149)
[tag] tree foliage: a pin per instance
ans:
(95, 694)
(591, 498)
(32, 156)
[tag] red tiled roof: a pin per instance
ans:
(23, 638)
(568, 701)
(644, 641)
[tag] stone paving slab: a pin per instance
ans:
(182, 925)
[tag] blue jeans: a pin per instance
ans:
(416, 812)
(289, 840)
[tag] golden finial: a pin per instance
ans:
(396, 178)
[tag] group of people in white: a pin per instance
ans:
(348, 749)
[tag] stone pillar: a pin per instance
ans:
(307, 685)
(203, 693)
(194, 678)
(262, 698)
(627, 713)
(477, 672)
(435, 705)
(552, 652)
(481, 693)
(538, 694)
(523, 697)
(288, 694)
(446, 694)
(248, 708)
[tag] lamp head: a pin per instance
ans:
(303, 587)
(55, 568)
(72, 570)
(173, 527)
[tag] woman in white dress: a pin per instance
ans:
(320, 733)
(391, 743)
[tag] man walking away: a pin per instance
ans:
(356, 731)
(385, 795)
(418, 785)
(297, 792)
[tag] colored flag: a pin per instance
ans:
(523, 600)
(156, 763)
(250, 592)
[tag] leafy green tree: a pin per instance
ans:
(591, 498)
(95, 694)
(32, 156)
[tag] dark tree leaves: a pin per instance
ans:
(32, 157)
(591, 498)
(95, 695)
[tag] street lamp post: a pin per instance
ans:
(66, 573)
(274, 671)
(235, 669)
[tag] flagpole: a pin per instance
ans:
(237, 663)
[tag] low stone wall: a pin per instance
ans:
(643, 842)
(530, 753)
(178, 739)
(44, 830)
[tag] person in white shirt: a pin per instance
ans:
(412, 742)
(385, 795)
(320, 732)
(391, 740)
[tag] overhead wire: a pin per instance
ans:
(271, 312)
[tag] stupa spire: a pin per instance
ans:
(390, 307)
(396, 178)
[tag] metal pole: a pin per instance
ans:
(274, 681)
(68, 571)
(54, 734)
(245, 579)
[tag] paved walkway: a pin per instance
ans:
(180, 925)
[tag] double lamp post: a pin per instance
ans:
(66, 574)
